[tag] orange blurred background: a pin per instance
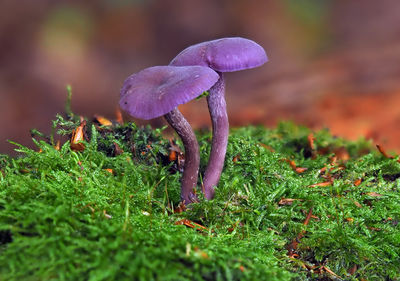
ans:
(333, 63)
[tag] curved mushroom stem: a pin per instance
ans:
(220, 130)
(192, 155)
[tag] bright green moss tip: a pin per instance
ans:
(106, 213)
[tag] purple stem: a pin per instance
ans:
(192, 155)
(220, 130)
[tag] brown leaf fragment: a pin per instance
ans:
(109, 171)
(102, 120)
(117, 149)
(234, 226)
(176, 155)
(57, 146)
(383, 152)
(357, 204)
(330, 272)
(192, 224)
(118, 116)
(236, 158)
(292, 247)
(374, 194)
(300, 170)
(322, 184)
(200, 253)
(266, 146)
(286, 201)
(180, 208)
(357, 182)
(311, 139)
(77, 137)
(292, 164)
(352, 269)
(341, 153)
(172, 156)
(374, 228)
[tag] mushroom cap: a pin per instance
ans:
(157, 90)
(223, 55)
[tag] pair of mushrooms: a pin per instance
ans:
(158, 90)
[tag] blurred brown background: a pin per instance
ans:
(333, 63)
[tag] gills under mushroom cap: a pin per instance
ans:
(157, 90)
(223, 55)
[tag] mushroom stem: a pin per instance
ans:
(192, 156)
(220, 130)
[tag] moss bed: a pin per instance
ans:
(291, 205)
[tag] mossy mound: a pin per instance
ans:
(290, 205)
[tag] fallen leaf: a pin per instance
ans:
(117, 149)
(118, 116)
(292, 164)
(286, 201)
(236, 158)
(102, 120)
(352, 269)
(300, 170)
(109, 171)
(191, 224)
(311, 139)
(266, 146)
(374, 194)
(383, 152)
(77, 137)
(322, 184)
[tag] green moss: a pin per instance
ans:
(64, 215)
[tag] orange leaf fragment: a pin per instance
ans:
(266, 146)
(300, 170)
(374, 194)
(286, 201)
(322, 184)
(357, 182)
(292, 164)
(191, 224)
(57, 146)
(118, 116)
(342, 154)
(383, 152)
(311, 139)
(201, 253)
(172, 156)
(352, 269)
(180, 208)
(109, 171)
(102, 120)
(77, 137)
(236, 158)
(117, 149)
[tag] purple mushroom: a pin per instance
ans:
(222, 55)
(157, 91)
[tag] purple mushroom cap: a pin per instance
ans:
(223, 55)
(157, 90)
